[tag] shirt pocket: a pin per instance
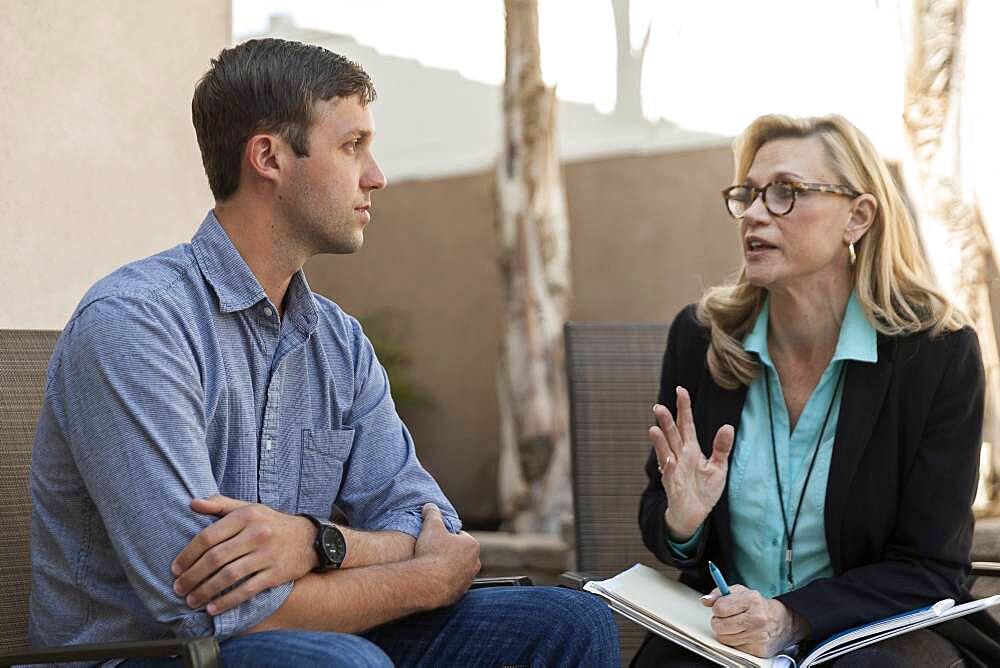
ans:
(324, 455)
(737, 471)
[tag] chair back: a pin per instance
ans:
(24, 357)
(614, 375)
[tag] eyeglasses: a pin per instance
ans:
(778, 196)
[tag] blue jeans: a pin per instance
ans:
(496, 626)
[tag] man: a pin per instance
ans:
(204, 410)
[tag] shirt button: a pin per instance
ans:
(774, 542)
(267, 444)
(268, 311)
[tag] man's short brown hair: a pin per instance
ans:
(266, 85)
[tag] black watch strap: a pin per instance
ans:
(330, 544)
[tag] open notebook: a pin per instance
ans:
(672, 610)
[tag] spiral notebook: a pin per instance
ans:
(672, 610)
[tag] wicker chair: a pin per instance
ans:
(614, 376)
(24, 357)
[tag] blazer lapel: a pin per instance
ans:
(721, 407)
(864, 392)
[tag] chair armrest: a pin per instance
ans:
(984, 578)
(511, 581)
(195, 652)
(987, 568)
(575, 579)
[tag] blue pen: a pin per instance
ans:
(720, 581)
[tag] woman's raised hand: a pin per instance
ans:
(693, 483)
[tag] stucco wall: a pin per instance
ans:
(648, 233)
(103, 168)
(100, 165)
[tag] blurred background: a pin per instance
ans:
(102, 166)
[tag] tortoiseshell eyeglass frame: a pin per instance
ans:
(795, 186)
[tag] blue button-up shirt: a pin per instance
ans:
(175, 379)
(759, 540)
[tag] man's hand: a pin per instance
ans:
(252, 543)
(749, 622)
(451, 560)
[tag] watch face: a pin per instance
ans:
(333, 544)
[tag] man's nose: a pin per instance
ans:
(373, 177)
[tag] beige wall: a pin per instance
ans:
(100, 161)
(102, 168)
(648, 233)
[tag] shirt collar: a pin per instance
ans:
(235, 284)
(857, 339)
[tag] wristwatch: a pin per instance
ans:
(330, 545)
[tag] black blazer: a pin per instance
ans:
(902, 480)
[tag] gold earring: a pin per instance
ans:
(850, 251)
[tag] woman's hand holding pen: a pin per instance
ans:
(750, 622)
(693, 483)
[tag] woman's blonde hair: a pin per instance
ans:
(891, 278)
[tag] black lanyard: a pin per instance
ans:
(790, 535)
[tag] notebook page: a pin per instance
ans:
(829, 651)
(671, 604)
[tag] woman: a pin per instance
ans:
(819, 420)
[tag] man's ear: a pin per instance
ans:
(863, 211)
(262, 156)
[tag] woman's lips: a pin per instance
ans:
(755, 248)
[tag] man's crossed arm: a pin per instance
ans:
(386, 574)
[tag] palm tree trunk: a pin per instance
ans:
(533, 240)
(628, 102)
(952, 229)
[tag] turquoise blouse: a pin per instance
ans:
(758, 533)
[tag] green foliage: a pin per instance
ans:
(387, 330)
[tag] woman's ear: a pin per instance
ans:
(863, 210)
